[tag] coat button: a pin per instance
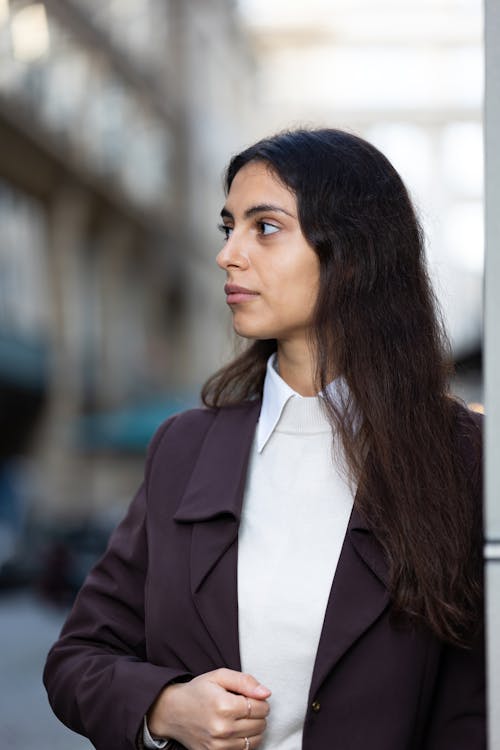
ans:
(315, 705)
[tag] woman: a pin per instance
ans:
(299, 570)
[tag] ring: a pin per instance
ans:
(247, 744)
(249, 710)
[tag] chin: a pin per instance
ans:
(248, 327)
(251, 332)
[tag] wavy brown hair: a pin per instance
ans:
(376, 323)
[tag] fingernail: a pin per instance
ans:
(262, 691)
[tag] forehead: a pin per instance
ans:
(257, 183)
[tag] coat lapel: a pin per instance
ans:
(358, 596)
(212, 503)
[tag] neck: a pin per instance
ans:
(296, 367)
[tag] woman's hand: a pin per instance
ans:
(215, 711)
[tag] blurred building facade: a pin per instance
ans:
(116, 119)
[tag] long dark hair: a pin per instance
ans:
(376, 323)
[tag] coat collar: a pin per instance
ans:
(358, 597)
(217, 482)
(212, 503)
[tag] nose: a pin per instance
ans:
(231, 254)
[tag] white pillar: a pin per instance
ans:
(492, 361)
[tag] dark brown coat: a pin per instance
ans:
(162, 605)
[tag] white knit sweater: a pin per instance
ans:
(294, 519)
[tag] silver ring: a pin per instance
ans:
(249, 710)
(247, 743)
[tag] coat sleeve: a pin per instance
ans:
(97, 676)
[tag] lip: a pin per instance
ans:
(235, 294)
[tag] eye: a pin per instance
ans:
(266, 229)
(226, 230)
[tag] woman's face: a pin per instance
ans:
(267, 258)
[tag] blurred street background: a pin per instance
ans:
(117, 118)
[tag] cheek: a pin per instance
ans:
(298, 269)
(297, 297)
(306, 283)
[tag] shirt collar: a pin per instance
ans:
(275, 396)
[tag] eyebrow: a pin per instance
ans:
(261, 207)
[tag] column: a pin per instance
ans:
(492, 361)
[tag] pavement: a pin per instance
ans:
(28, 627)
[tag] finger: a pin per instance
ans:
(248, 706)
(247, 743)
(249, 727)
(239, 682)
(253, 709)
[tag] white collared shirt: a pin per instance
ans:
(276, 394)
